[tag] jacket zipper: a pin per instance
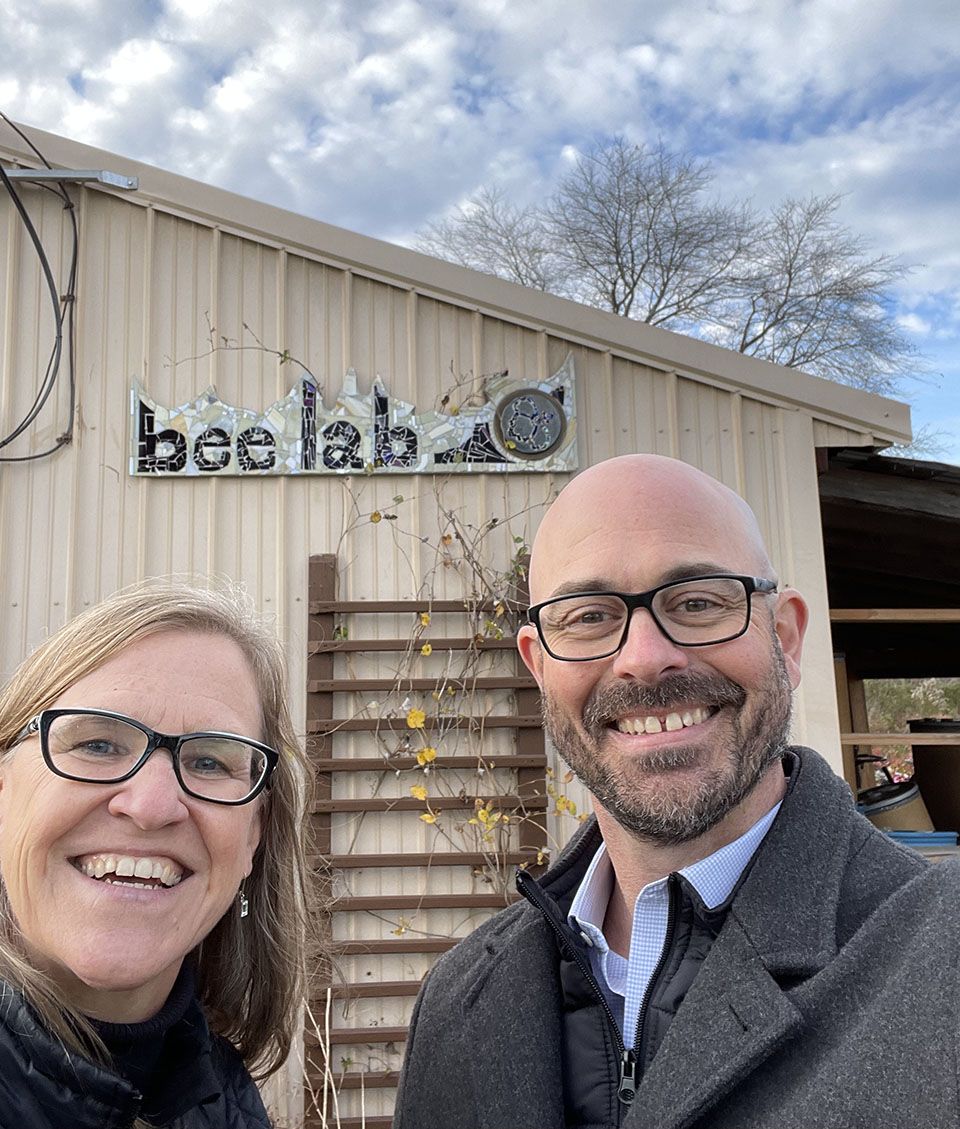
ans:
(664, 953)
(627, 1084)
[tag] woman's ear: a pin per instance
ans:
(256, 831)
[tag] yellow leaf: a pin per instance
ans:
(498, 610)
(428, 817)
(425, 619)
(376, 516)
(426, 649)
(418, 791)
(416, 719)
(446, 539)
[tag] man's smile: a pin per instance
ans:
(660, 723)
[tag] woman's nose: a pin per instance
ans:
(152, 797)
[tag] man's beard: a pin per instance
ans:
(640, 794)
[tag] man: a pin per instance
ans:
(728, 943)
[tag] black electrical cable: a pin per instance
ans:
(63, 311)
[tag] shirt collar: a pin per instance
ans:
(713, 877)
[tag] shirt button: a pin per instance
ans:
(586, 938)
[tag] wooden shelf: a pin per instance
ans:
(895, 615)
(900, 739)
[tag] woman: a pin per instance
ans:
(153, 886)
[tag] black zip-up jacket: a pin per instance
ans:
(600, 1075)
(42, 1086)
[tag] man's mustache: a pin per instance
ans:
(607, 703)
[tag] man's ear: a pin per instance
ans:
(790, 624)
(528, 644)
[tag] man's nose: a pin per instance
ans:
(647, 654)
(153, 797)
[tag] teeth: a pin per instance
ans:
(671, 723)
(161, 869)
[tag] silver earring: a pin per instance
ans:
(244, 903)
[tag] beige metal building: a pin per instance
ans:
(180, 287)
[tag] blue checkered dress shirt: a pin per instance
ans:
(624, 982)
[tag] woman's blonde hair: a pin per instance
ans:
(250, 973)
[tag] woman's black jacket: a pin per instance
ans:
(43, 1086)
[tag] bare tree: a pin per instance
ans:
(814, 298)
(632, 229)
(492, 235)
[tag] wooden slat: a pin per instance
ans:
(372, 989)
(437, 803)
(895, 615)
(402, 685)
(422, 901)
(368, 1080)
(432, 858)
(324, 646)
(393, 764)
(339, 1036)
(900, 738)
(399, 724)
(394, 945)
(417, 607)
(359, 1123)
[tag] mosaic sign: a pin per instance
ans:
(522, 426)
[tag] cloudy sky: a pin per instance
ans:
(380, 116)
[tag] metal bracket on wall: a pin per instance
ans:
(77, 176)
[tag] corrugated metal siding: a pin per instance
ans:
(180, 305)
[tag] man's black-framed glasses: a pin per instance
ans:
(697, 611)
(101, 747)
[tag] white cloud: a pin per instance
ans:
(382, 114)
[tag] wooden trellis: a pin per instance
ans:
(332, 650)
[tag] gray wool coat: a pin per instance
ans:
(828, 1000)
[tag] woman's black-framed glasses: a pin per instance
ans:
(101, 747)
(697, 611)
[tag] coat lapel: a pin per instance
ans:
(727, 1026)
(781, 926)
(515, 1024)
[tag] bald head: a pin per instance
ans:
(630, 522)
